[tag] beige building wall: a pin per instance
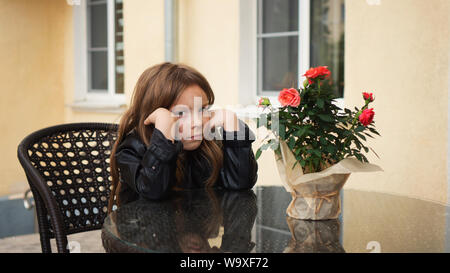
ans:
(395, 50)
(209, 41)
(34, 70)
(399, 50)
(143, 40)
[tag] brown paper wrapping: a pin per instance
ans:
(315, 196)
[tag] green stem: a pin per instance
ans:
(318, 83)
(359, 113)
(353, 124)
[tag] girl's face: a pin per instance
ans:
(192, 109)
(195, 243)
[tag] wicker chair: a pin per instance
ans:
(67, 167)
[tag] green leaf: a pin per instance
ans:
(301, 131)
(361, 136)
(360, 128)
(325, 118)
(374, 152)
(374, 131)
(316, 161)
(331, 149)
(347, 133)
(320, 103)
(364, 158)
(358, 144)
(318, 153)
(274, 145)
(258, 153)
(291, 143)
(265, 146)
(282, 128)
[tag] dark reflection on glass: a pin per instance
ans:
(198, 221)
(280, 58)
(328, 39)
(314, 236)
(279, 15)
(189, 221)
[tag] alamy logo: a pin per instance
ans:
(374, 247)
(373, 2)
(73, 2)
(74, 247)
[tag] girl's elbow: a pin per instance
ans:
(240, 184)
(153, 190)
(153, 194)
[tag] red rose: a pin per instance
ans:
(312, 73)
(317, 72)
(366, 117)
(368, 96)
(289, 97)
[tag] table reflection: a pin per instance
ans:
(190, 221)
(242, 221)
(314, 236)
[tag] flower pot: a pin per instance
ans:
(315, 196)
(318, 200)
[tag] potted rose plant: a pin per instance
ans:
(316, 143)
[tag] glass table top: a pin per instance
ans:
(255, 221)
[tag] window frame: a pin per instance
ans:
(250, 49)
(84, 97)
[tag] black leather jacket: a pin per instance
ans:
(150, 171)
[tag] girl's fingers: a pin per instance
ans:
(149, 119)
(212, 122)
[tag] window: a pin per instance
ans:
(99, 58)
(278, 36)
(293, 35)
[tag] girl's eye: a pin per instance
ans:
(179, 114)
(205, 109)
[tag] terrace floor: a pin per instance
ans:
(89, 242)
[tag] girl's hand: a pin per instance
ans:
(224, 118)
(164, 120)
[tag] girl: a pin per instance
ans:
(149, 158)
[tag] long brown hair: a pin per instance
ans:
(160, 86)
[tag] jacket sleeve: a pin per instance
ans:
(240, 169)
(150, 171)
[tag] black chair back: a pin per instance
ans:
(67, 167)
